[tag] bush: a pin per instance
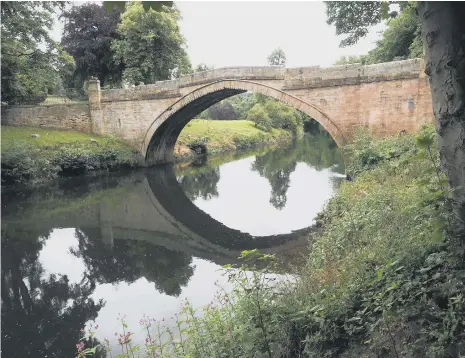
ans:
(26, 163)
(243, 142)
(284, 117)
(22, 163)
(366, 154)
(258, 115)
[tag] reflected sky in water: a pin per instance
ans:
(308, 190)
(143, 242)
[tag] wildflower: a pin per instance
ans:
(80, 347)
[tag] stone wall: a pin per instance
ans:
(65, 117)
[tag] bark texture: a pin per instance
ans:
(443, 27)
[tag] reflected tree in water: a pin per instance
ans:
(42, 315)
(201, 185)
(129, 260)
(317, 151)
(277, 166)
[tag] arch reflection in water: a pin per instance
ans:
(140, 232)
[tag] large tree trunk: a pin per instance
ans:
(443, 25)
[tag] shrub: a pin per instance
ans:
(22, 163)
(365, 154)
(258, 115)
(243, 141)
(284, 117)
(27, 163)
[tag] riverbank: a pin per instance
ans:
(37, 155)
(383, 277)
(217, 136)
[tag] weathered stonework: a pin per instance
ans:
(387, 98)
(65, 117)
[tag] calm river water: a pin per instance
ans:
(139, 244)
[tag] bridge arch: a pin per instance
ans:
(160, 138)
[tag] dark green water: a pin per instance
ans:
(140, 243)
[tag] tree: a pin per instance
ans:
(223, 110)
(259, 116)
(129, 260)
(203, 67)
(42, 315)
(88, 32)
(277, 166)
(351, 60)
(443, 32)
(401, 40)
(203, 184)
(277, 58)
(151, 46)
(31, 61)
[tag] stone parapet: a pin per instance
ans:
(292, 78)
(344, 75)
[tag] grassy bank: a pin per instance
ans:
(212, 137)
(27, 158)
(384, 277)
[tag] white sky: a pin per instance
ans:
(238, 33)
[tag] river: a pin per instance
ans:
(132, 244)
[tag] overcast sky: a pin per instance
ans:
(237, 33)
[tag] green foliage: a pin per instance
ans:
(203, 67)
(365, 154)
(223, 110)
(274, 114)
(22, 163)
(258, 115)
(401, 40)
(121, 5)
(27, 160)
(353, 18)
(223, 136)
(277, 58)
(30, 72)
(283, 116)
(351, 60)
(88, 32)
(150, 46)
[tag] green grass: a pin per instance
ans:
(221, 136)
(51, 139)
(30, 160)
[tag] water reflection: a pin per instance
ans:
(140, 243)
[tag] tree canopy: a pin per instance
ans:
(401, 40)
(277, 58)
(32, 63)
(443, 33)
(150, 46)
(88, 32)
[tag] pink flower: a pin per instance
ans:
(80, 346)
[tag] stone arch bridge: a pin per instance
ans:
(387, 98)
